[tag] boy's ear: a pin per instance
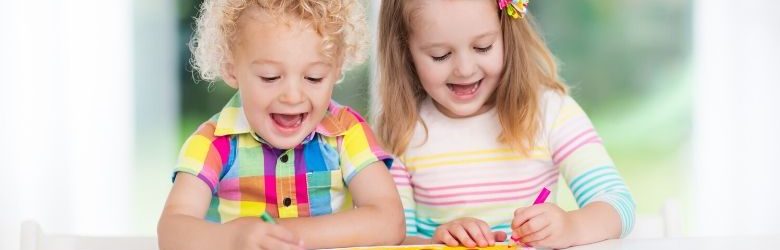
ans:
(229, 74)
(339, 77)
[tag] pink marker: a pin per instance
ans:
(539, 200)
(542, 196)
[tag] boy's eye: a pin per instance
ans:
(441, 58)
(270, 79)
(314, 79)
(483, 49)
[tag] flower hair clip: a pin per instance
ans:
(514, 8)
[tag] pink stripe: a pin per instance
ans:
(594, 139)
(398, 170)
(518, 190)
(400, 176)
(571, 141)
(487, 184)
(400, 180)
(572, 123)
(395, 167)
(403, 184)
(462, 202)
(441, 196)
(399, 173)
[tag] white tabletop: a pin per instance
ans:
(731, 242)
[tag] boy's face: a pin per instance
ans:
(458, 60)
(284, 80)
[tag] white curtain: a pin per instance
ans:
(736, 119)
(79, 94)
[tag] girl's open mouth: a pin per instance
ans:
(464, 91)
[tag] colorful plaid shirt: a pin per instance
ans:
(247, 176)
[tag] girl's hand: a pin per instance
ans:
(543, 225)
(469, 232)
(253, 233)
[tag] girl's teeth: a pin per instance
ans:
(464, 89)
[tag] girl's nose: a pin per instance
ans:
(465, 66)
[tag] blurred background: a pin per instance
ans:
(97, 97)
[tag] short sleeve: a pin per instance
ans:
(204, 155)
(359, 145)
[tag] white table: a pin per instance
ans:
(730, 242)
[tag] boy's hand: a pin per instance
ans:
(469, 232)
(543, 225)
(253, 233)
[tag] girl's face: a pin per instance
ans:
(284, 80)
(457, 49)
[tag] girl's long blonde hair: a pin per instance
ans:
(529, 69)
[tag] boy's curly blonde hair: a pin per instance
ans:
(341, 23)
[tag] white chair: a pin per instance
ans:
(667, 223)
(33, 238)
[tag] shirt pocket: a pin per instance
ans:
(326, 191)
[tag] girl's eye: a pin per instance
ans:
(483, 49)
(441, 58)
(313, 79)
(270, 79)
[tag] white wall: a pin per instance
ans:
(373, 71)
(88, 115)
(736, 118)
(156, 108)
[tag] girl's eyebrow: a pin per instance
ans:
(486, 34)
(432, 45)
(481, 36)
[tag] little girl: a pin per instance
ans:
(280, 146)
(472, 105)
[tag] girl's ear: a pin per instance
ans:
(229, 74)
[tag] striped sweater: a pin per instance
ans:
(461, 170)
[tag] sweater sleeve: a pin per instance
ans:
(403, 183)
(585, 164)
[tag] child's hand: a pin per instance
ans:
(469, 232)
(543, 225)
(253, 233)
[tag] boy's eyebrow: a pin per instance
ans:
(267, 61)
(486, 34)
(315, 63)
(264, 61)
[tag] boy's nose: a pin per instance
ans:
(292, 94)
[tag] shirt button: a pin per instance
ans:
(287, 201)
(283, 159)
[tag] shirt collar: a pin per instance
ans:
(232, 121)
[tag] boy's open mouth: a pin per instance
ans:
(287, 122)
(464, 90)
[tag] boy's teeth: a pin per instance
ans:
(288, 121)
